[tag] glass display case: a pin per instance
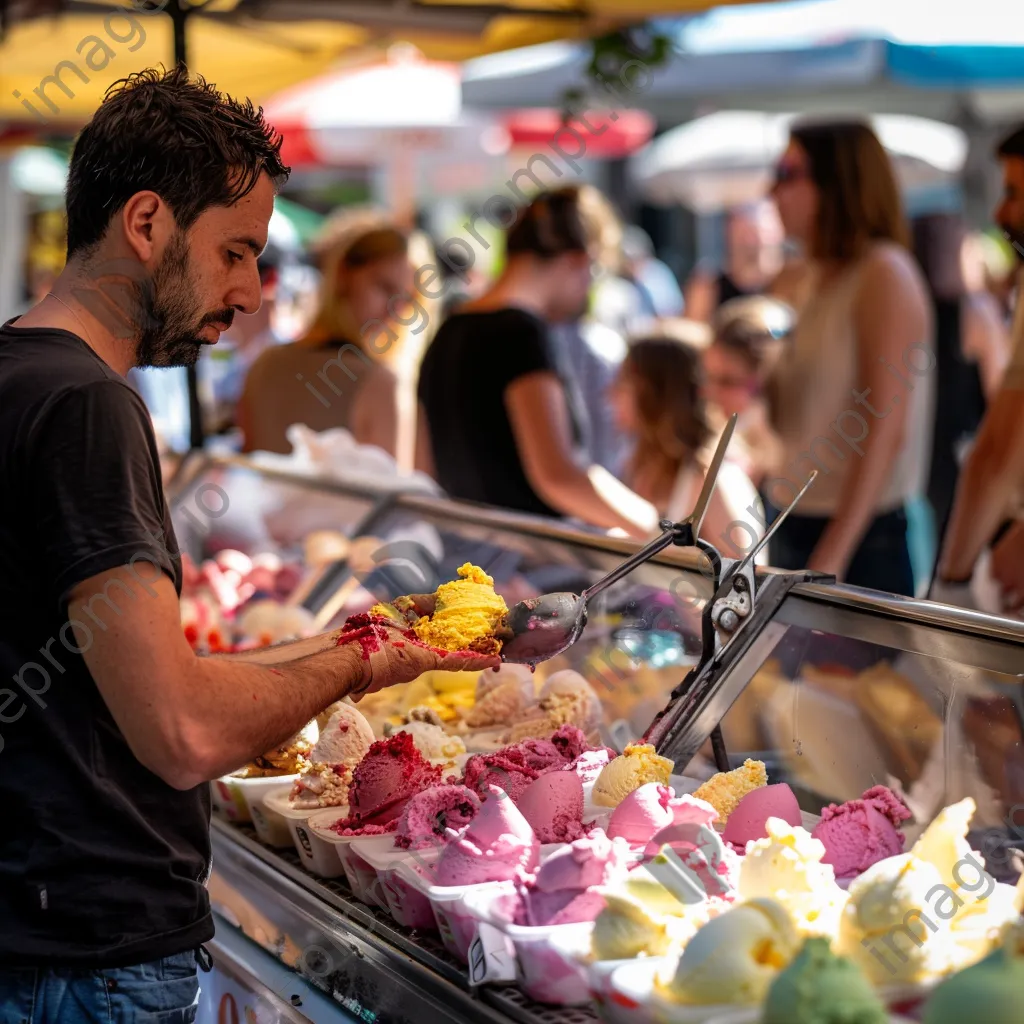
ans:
(836, 689)
(221, 502)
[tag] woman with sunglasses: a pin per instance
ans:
(852, 395)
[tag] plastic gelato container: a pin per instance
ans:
(455, 922)
(631, 989)
(278, 806)
(408, 904)
(270, 826)
(361, 875)
(548, 972)
(406, 901)
(228, 800)
(316, 844)
(575, 946)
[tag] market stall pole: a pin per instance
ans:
(178, 13)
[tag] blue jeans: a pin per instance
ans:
(161, 992)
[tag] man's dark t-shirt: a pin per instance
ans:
(471, 362)
(102, 864)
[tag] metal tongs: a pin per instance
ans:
(542, 627)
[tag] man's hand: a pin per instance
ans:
(390, 655)
(1008, 567)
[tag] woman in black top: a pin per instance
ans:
(500, 418)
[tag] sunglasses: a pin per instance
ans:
(785, 173)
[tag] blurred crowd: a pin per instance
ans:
(583, 381)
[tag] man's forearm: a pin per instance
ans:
(265, 705)
(291, 650)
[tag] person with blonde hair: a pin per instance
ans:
(342, 372)
(851, 396)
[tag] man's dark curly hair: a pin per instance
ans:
(171, 134)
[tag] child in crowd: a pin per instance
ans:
(657, 400)
(748, 335)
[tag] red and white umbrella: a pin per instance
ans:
(404, 115)
(365, 115)
(385, 115)
(608, 134)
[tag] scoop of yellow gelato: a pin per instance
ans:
(637, 765)
(725, 790)
(467, 615)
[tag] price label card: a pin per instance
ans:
(492, 957)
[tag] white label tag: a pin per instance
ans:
(492, 957)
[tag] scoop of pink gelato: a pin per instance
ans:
(862, 832)
(570, 741)
(553, 805)
(564, 889)
(507, 769)
(642, 813)
(429, 814)
(590, 763)
(496, 847)
(539, 754)
(748, 821)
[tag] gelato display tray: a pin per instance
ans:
(835, 690)
(373, 969)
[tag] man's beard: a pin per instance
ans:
(167, 313)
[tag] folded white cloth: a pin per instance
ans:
(335, 455)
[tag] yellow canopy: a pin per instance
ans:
(55, 69)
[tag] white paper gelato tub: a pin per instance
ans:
(315, 843)
(270, 826)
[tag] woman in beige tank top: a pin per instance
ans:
(851, 397)
(344, 371)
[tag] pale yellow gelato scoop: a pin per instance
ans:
(888, 927)
(734, 958)
(636, 765)
(433, 742)
(642, 918)
(786, 866)
(467, 615)
(944, 842)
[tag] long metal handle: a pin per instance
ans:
(779, 519)
(645, 554)
(669, 536)
(696, 517)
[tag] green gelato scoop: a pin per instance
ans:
(993, 988)
(819, 987)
